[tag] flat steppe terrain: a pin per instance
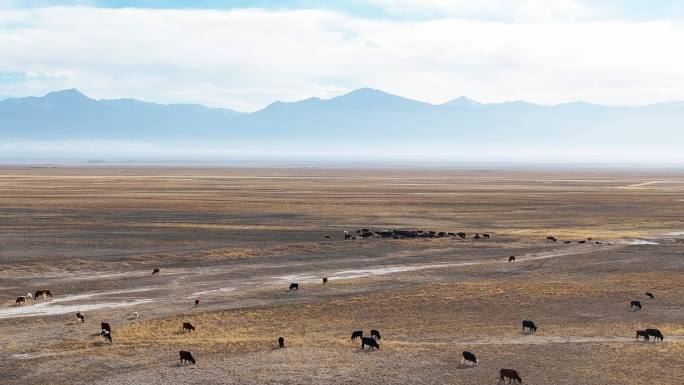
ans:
(236, 238)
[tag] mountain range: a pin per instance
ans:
(365, 118)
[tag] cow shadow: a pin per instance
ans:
(465, 366)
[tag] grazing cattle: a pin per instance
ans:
(530, 325)
(371, 342)
(43, 293)
(325, 280)
(197, 303)
(155, 271)
(347, 236)
(357, 334)
(294, 286)
(461, 235)
(375, 334)
(582, 242)
(105, 326)
(107, 335)
(635, 304)
(187, 327)
(511, 258)
(485, 235)
(281, 342)
(566, 242)
(29, 295)
(80, 316)
(655, 333)
(551, 239)
(20, 301)
(511, 374)
(598, 243)
(642, 333)
(469, 357)
(186, 356)
(590, 239)
(477, 236)
(650, 295)
(328, 236)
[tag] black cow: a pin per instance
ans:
(105, 326)
(186, 356)
(325, 280)
(530, 325)
(347, 236)
(294, 286)
(566, 242)
(551, 239)
(197, 302)
(357, 334)
(461, 235)
(642, 333)
(281, 342)
(187, 327)
(650, 295)
(155, 271)
(327, 236)
(80, 316)
(582, 242)
(511, 374)
(655, 333)
(469, 357)
(371, 342)
(477, 236)
(375, 334)
(511, 258)
(635, 304)
(485, 235)
(107, 335)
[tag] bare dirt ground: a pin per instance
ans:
(236, 238)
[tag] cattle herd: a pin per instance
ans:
(372, 342)
(366, 233)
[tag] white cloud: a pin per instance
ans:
(245, 59)
(498, 10)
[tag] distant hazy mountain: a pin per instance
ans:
(69, 114)
(365, 119)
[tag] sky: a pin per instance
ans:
(245, 55)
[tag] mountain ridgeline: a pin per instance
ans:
(365, 115)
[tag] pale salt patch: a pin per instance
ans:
(640, 242)
(360, 273)
(47, 308)
(214, 291)
(26, 356)
(56, 306)
(675, 233)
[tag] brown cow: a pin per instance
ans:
(197, 301)
(42, 293)
(186, 356)
(187, 327)
(20, 301)
(511, 374)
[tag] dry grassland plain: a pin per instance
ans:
(236, 238)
